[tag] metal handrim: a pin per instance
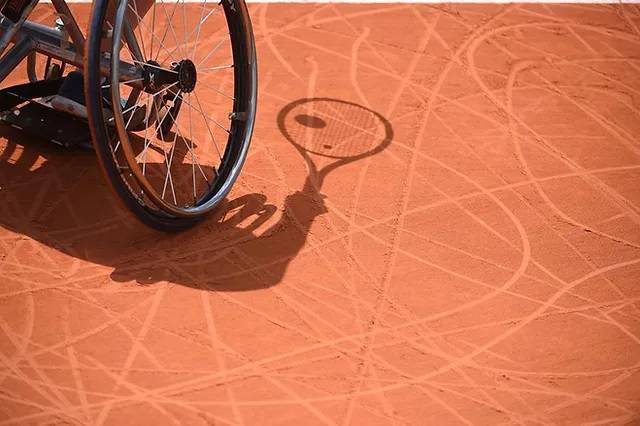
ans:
(215, 191)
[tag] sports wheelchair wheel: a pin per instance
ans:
(171, 101)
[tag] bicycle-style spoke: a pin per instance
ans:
(221, 67)
(159, 92)
(169, 177)
(153, 26)
(134, 106)
(195, 164)
(208, 128)
(135, 11)
(123, 82)
(153, 36)
(206, 86)
(131, 41)
(195, 45)
(166, 30)
(193, 31)
(147, 140)
(155, 66)
(214, 50)
(204, 115)
(193, 157)
(123, 113)
(191, 150)
(184, 26)
(173, 32)
(133, 113)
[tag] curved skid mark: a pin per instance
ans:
(330, 331)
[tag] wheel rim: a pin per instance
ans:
(188, 170)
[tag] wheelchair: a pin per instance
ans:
(164, 92)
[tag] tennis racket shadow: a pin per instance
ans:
(231, 251)
(328, 134)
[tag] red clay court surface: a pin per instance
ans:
(482, 268)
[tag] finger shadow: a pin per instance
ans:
(57, 197)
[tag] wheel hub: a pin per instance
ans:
(183, 73)
(187, 75)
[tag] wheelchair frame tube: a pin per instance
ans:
(70, 24)
(14, 56)
(11, 28)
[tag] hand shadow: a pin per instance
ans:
(57, 197)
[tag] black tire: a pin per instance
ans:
(121, 173)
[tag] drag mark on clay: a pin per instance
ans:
(439, 211)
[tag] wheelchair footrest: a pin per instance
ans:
(42, 121)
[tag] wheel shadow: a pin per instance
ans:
(58, 198)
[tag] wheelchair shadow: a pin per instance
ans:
(57, 197)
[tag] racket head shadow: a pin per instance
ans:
(334, 129)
